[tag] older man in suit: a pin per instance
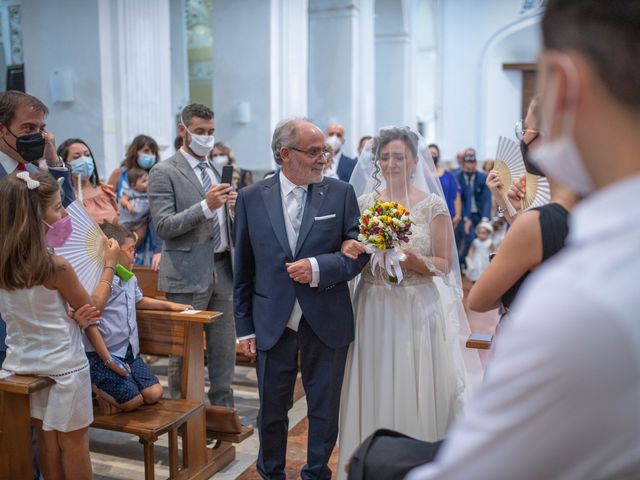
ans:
(291, 292)
(25, 140)
(342, 165)
(188, 208)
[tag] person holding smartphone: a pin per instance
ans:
(191, 207)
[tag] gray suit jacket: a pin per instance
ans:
(175, 193)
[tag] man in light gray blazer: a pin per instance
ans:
(189, 209)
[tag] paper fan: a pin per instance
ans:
(510, 167)
(84, 248)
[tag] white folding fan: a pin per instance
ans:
(84, 249)
(510, 167)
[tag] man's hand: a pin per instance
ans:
(50, 154)
(249, 347)
(155, 261)
(231, 203)
(352, 248)
(300, 271)
(467, 226)
(455, 221)
(218, 195)
(85, 316)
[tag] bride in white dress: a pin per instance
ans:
(405, 369)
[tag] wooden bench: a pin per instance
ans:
(16, 455)
(174, 333)
(148, 281)
(481, 341)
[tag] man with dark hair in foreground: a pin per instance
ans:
(562, 392)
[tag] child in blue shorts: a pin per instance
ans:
(119, 377)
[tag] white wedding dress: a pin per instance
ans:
(404, 370)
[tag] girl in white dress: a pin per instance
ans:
(405, 369)
(478, 256)
(42, 339)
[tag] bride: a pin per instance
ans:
(405, 369)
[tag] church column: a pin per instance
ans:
(341, 66)
(393, 64)
(260, 73)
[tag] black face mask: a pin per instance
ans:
(29, 147)
(529, 167)
(435, 160)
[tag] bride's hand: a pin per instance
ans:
(414, 263)
(352, 249)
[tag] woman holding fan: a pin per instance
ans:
(535, 235)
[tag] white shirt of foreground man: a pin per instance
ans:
(561, 397)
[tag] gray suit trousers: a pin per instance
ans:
(220, 335)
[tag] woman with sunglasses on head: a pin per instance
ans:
(534, 236)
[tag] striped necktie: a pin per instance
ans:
(207, 184)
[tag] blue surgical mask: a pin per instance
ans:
(146, 161)
(83, 166)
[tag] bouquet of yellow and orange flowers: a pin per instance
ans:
(383, 227)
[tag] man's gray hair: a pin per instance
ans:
(286, 135)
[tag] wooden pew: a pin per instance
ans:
(175, 333)
(481, 341)
(16, 455)
(148, 281)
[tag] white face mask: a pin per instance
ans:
(335, 143)
(220, 160)
(201, 145)
(559, 158)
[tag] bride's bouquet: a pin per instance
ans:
(384, 226)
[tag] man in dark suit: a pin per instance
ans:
(291, 293)
(342, 165)
(475, 196)
(24, 140)
(187, 204)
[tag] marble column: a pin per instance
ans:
(341, 66)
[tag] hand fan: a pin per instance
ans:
(510, 167)
(84, 249)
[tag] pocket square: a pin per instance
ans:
(324, 217)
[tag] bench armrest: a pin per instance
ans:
(24, 384)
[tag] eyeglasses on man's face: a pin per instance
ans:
(521, 131)
(314, 153)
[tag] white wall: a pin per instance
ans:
(65, 37)
(480, 101)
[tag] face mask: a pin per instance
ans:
(335, 143)
(146, 161)
(201, 145)
(528, 165)
(435, 159)
(220, 160)
(560, 158)
(83, 166)
(59, 232)
(29, 147)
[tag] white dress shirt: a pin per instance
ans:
(8, 163)
(286, 187)
(561, 397)
(222, 221)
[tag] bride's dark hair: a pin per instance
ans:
(386, 136)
